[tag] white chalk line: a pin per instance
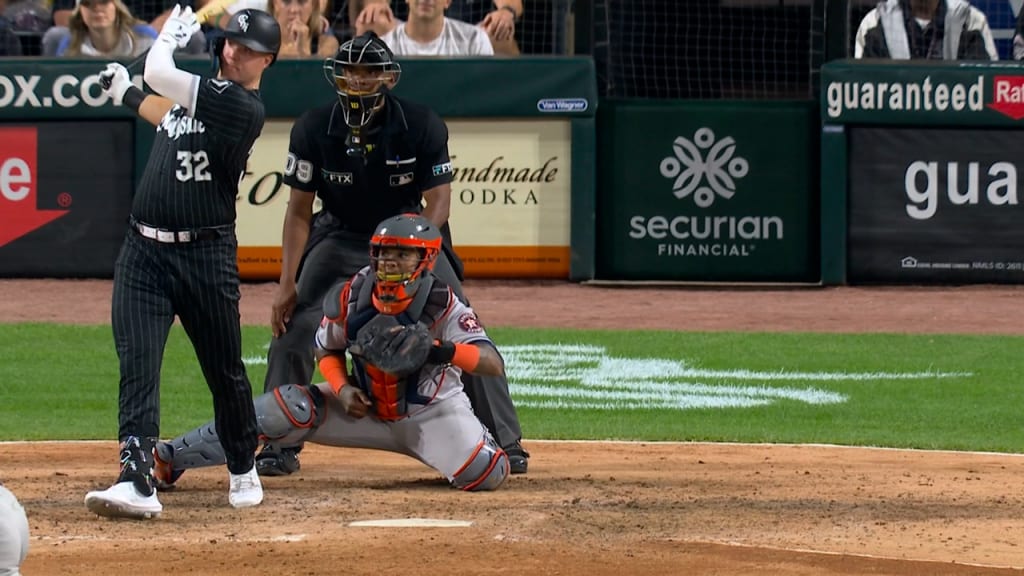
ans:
(852, 554)
(176, 539)
(528, 441)
(304, 537)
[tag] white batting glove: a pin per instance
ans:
(179, 27)
(115, 81)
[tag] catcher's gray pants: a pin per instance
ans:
(336, 258)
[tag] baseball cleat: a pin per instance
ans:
(518, 459)
(123, 500)
(246, 489)
(270, 462)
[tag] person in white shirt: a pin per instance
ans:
(429, 32)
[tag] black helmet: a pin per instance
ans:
(255, 29)
(393, 291)
(361, 97)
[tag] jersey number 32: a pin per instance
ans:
(193, 166)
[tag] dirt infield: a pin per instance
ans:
(584, 508)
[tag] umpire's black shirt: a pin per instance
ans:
(191, 179)
(407, 154)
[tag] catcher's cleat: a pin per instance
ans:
(164, 475)
(518, 459)
(273, 462)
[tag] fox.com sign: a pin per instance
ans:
(716, 194)
(935, 205)
(65, 91)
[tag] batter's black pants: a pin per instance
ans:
(198, 282)
(336, 258)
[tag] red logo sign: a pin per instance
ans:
(1008, 96)
(19, 174)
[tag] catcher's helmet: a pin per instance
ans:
(396, 286)
(362, 71)
(255, 29)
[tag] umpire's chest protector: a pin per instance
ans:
(388, 179)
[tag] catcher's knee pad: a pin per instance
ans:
(13, 533)
(486, 469)
(289, 414)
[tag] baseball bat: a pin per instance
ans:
(203, 15)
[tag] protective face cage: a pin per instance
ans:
(403, 231)
(362, 71)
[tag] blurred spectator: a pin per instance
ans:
(305, 30)
(373, 15)
(10, 45)
(28, 16)
(497, 17)
(105, 28)
(26, 21)
(152, 12)
(427, 33)
(1018, 37)
(925, 29)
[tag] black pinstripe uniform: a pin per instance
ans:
(407, 155)
(188, 193)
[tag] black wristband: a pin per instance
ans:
(133, 98)
(515, 17)
(441, 353)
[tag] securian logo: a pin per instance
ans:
(704, 176)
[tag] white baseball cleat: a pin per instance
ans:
(122, 500)
(246, 489)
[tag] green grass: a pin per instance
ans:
(60, 382)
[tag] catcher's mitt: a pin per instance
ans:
(395, 348)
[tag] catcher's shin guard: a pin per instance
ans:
(287, 415)
(486, 469)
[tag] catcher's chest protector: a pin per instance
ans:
(428, 306)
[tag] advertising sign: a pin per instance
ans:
(935, 205)
(510, 199)
(65, 193)
(706, 192)
(923, 93)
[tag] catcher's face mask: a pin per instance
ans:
(402, 251)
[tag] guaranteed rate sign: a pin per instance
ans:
(922, 93)
(935, 205)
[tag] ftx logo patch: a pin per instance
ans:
(442, 169)
(19, 183)
(337, 177)
(704, 167)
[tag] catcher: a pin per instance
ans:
(410, 339)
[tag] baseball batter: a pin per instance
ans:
(410, 339)
(13, 534)
(180, 253)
